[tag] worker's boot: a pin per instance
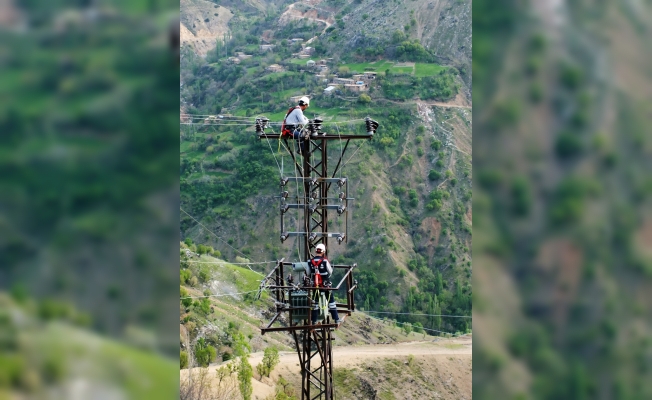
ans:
(336, 317)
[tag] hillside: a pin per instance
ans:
(441, 365)
(410, 225)
(47, 353)
(563, 202)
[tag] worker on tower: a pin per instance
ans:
(322, 271)
(295, 121)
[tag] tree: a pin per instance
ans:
(364, 98)
(270, 360)
(245, 373)
(204, 353)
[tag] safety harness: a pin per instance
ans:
(287, 130)
(316, 262)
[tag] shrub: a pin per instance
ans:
(270, 361)
(434, 175)
(183, 359)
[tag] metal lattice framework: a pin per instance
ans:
(296, 299)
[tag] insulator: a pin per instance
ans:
(371, 125)
(284, 208)
(340, 210)
(342, 195)
(314, 194)
(312, 237)
(284, 181)
(285, 194)
(340, 239)
(312, 208)
(317, 123)
(313, 181)
(284, 236)
(341, 182)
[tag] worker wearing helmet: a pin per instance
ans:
(295, 119)
(322, 271)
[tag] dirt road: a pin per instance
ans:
(450, 355)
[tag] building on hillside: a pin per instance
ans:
(274, 68)
(344, 81)
(242, 56)
(234, 60)
(303, 56)
(295, 99)
(322, 62)
(310, 63)
(296, 40)
(358, 87)
(308, 50)
(369, 76)
(267, 47)
(358, 77)
(329, 90)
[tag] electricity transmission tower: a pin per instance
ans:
(295, 300)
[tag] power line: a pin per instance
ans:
(426, 315)
(216, 295)
(236, 250)
(232, 263)
(403, 323)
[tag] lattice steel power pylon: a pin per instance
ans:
(313, 341)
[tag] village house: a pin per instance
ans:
(358, 77)
(344, 81)
(329, 90)
(303, 56)
(242, 56)
(266, 47)
(274, 68)
(322, 62)
(356, 88)
(308, 50)
(296, 40)
(310, 63)
(369, 76)
(234, 60)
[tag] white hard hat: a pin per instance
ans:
(320, 248)
(304, 100)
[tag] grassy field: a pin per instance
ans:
(421, 69)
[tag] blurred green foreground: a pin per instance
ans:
(88, 199)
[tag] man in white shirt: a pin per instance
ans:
(295, 119)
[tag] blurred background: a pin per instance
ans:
(89, 198)
(562, 223)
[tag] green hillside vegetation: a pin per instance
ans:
(410, 231)
(43, 344)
